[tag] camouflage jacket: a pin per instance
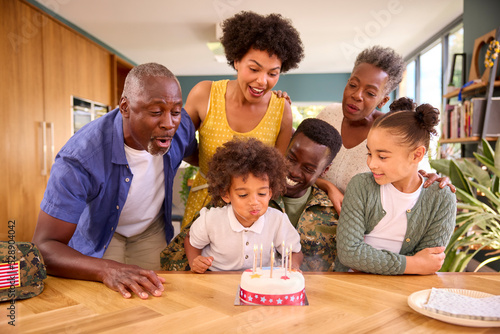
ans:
(317, 227)
(173, 257)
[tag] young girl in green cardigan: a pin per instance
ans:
(389, 223)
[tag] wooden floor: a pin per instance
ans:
(340, 303)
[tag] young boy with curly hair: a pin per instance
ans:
(244, 174)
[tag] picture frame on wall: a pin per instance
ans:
(457, 73)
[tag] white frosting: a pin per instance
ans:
(262, 283)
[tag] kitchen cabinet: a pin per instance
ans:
(44, 64)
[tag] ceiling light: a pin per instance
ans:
(217, 51)
(216, 47)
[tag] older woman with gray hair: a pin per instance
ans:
(376, 73)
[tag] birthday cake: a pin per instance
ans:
(282, 288)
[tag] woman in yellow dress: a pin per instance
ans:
(259, 48)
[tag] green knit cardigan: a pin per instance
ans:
(430, 224)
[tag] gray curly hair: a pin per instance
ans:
(135, 78)
(387, 60)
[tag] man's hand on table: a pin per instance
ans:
(126, 278)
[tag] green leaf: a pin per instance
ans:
(449, 260)
(497, 154)
(485, 262)
(468, 207)
(495, 185)
(468, 198)
(458, 179)
(465, 261)
(489, 195)
(479, 174)
(487, 163)
(488, 151)
(442, 166)
(455, 240)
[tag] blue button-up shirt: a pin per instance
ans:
(90, 180)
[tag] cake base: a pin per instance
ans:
(282, 288)
(239, 302)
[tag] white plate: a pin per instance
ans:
(417, 299)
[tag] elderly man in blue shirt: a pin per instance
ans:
(106, 212)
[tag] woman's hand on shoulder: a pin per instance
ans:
(433, 177)
(282, 94)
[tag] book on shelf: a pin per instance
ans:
(492, 129)
(464, 120)
(454, 121)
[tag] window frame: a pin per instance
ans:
(441, 37)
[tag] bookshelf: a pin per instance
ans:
(471, 121)
(472, 89)
(474, 139)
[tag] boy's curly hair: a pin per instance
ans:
(271, 33)
(240, 157)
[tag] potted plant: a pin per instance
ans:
(187, 180)
(478, 216)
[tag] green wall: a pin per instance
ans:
(480, 17)
(326, 87)
(302, 88)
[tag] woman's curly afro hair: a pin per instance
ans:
(271, 33)
(240, 157)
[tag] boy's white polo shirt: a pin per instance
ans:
(219, 234)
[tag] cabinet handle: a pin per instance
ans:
(44, 148)
(52, 148)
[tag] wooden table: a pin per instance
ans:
(338, 302)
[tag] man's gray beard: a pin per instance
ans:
(151, 150)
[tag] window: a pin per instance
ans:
(407, 85)
(428, 71)
(301, 111)
(431, 76)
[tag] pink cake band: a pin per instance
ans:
(251, 298)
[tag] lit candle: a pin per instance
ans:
(285, 258)
(272, 262)
(254, 257)
(272, 248)
(260, 256)
(290, 259)
(283, 254)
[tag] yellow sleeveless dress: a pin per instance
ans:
(215, 131)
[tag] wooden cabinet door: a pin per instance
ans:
(21, 109)
(44, 64)
(73, 66)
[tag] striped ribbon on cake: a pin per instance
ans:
(251, 298)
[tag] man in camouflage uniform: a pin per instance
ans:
(310, 153)
(317, 227)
